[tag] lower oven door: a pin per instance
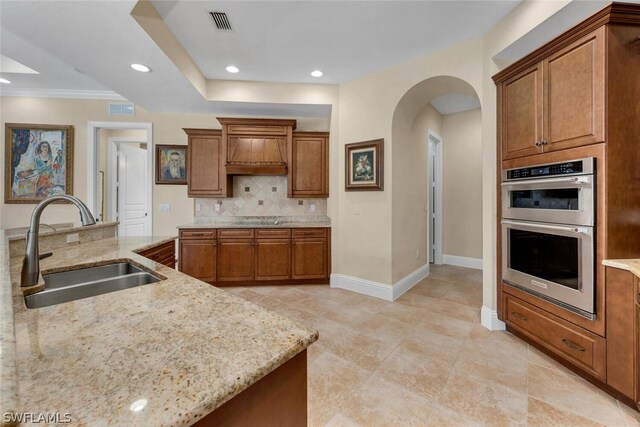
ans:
(553, 261)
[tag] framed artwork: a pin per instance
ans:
(364, 166)
(171, 164)
(38, 162)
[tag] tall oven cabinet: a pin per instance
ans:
(576, 97)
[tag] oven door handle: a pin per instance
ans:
(568, 228)
(578, 180)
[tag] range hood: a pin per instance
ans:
(256, 146)
(256, 156)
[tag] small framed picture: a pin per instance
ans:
(38, 162)
(364, 166)
(171, 164)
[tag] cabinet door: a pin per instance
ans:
(309, 259)
(521, 114)
(235, 260)
(273, 259)
(310, 165)
(205, 169)
(574, 94)
(198, 259)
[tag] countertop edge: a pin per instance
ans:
(632, 265)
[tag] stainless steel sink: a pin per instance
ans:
(88, 282)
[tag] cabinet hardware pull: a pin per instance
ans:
(519, 316)
(538, 143)
(544, 142)
(572, 345)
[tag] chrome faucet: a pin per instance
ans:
(31, 264)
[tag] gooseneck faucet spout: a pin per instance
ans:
(31, 264)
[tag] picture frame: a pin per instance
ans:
(38, 162)
(364, 166)
(171, 164)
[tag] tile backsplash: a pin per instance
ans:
(259, 195)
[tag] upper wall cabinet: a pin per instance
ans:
(206, 175)
(309, 165)
(557, 103)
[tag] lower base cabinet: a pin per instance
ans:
(164, 254)
(228, 257)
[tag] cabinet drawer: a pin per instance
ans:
(580, 347)
(235, 233)
(273, 233)
(309, 232)
(201, 233)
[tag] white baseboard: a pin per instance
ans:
(380, 290)
(362, 286)
(462, 261)
(489, 319)
(409, 281)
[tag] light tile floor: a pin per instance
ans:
(425, 360)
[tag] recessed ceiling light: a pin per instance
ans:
(317, 73)
(141, 68)
(4, 81)
(232, 69)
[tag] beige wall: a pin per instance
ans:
(410, 189)
(167, 129)
(462, 192)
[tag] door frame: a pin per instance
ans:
(434, 151)
(113, 149)
(93, 190)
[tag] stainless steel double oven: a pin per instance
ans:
(548, 232)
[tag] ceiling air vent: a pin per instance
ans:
(221, 21)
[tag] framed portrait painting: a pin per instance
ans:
(171, 164)
(364, 166)
(38, 162)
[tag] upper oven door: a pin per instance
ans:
(562, 200)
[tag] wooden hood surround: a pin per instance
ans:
(256, 146)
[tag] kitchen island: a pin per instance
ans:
(167, 353)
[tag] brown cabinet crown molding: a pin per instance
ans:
(257, 122)
(619, 13)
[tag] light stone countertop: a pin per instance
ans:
(213, 224)
(632, 265)
(178, 349)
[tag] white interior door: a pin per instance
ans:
(132, 191)
(435, 187)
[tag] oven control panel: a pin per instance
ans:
(583, 166)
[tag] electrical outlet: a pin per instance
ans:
(417, 253)
(73, 237)
(165, 207)
(216, 207)
(198, 207)
(312, 207)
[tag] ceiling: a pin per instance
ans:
(283, 41)
(85, 48)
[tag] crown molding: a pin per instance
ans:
(62, 93)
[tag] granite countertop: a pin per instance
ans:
(167, 353)
(632, 265)
(261, 222)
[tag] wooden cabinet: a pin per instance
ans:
(228, 257)
(164, 254)
(197, 258)
(557, 103)
(309, 165)
(567, 341)
(623, 332)
(310, 248)
(272, 254)
(235, 260)
(206, 174)
(521, 118)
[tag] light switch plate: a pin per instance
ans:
(165, 207)
(216, 207)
